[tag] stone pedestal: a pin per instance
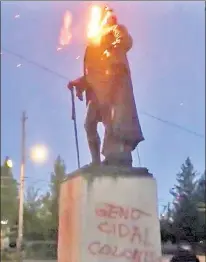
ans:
(109, 214)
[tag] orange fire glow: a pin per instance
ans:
(95, 30)
(94, 26)
(65, 32)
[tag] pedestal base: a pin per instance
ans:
(109, 214)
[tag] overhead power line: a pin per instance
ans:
(29, 61)
(174, 125)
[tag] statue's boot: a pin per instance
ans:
(94, 147)
(119, 159)
(116, 153)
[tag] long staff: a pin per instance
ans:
(75, 126)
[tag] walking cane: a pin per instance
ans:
(75, 126)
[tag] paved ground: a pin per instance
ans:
(165, 259)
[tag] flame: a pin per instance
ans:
(65, 32)
(107, 53)
(107, 15)
(95, 24)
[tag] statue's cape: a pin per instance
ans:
(125, 119)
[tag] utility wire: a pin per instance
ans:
(174, 125)
(66, 78)
(35, 64)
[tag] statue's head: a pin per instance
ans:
(109, 16)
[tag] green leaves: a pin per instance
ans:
(189, 192)
(9, 195)
(41, 212)
(57, 176)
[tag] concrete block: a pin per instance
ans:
(109, 214)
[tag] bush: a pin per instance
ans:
(9, 256)
(41, 250)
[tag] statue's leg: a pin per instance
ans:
(115, 150)
(110, 144)
(93, 138)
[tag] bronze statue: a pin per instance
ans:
(109, 96)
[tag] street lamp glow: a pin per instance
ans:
(9, 163)
(39, 154)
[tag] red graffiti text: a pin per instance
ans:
(115, 211)
(134, 255)
(133, 233)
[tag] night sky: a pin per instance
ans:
(168, 72)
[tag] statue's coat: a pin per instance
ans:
(110, 79)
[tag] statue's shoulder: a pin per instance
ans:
(121, 28)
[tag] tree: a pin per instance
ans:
(33, 221)
(185, 212)
(9, 194)
(200, 202)
(50, 200)
(166, 221)
(41, 212)
(200, 193)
